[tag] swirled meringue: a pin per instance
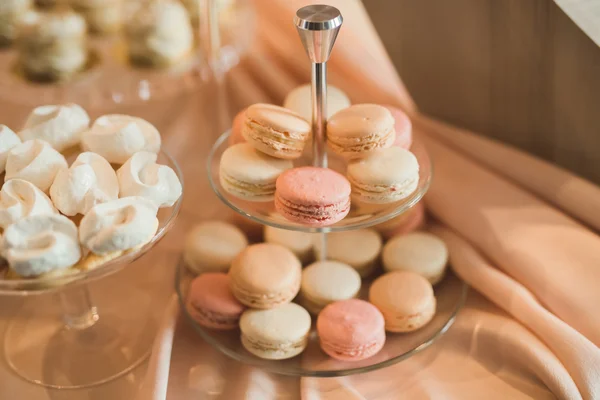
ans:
(8, 140)
(59, 125)
(41, 243)
(117, 137)
(20, 199)
(34, 161)
(118, 225)
(142, 176)
(89, 181)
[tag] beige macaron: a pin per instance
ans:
(360, 130)
(300, 243)
(324, 282)
(360, 249)
(420, 252)
(300, 101)
(211, 246)
(405, 299)
(276, 131)
(265, 275)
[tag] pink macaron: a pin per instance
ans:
(312, 196)
(211, 303)
(403, 127)
(351, 330)
(236, 128)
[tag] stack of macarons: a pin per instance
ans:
(263, 290)
(372, 140)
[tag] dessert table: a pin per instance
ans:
(508, 341)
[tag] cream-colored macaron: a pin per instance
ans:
(211, 246)
(405, 299)
(299, 100)
(324, 282)
(420, 252)
(360, 249)
(300, 243)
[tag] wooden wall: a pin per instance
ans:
(517, 70)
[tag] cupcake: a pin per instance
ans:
(52, 45)
(159, 34)
(11, 13)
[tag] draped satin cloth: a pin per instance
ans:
(520, 231)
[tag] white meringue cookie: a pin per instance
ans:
(20, 199)
(118, 225)
(34, 161)
(41, 243)
(117, 137)
(59, 125)
(142, 176)
(89, 181)
(8, 140)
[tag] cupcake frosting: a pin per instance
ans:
(89, 181)
(41, 243)
(34, 161)
(118, 137)
(20, 199)
(119, 225)
(59, 125)
(8, 140)
(142, 176)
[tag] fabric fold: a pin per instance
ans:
(553, 256)
(580, 356)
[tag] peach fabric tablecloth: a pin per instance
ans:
(515, 226)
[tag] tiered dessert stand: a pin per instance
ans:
(318, 27)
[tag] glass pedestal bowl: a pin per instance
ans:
(87, 345)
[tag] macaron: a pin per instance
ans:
(300, 243)
(402, 126)
(420, 252)
(385, 176)
(351, 330)
(211, 304)
(409, 221)
(325, 282)
(299, 100)
(276, 131)
(211, 246)
(249, 174)
(276, 334)
(265, 275)
(405, 299)
(312, 196)
(359, 130)
(237, 126)
(360, 249)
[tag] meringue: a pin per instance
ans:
(117, 137)
(20, 199)
(142, 176)
(11, 12)
(52, 45)
(59, 125)
(8, 140)
(41, 243)
(34, 161)
(89, 181)
(119, 225)
(159, 34)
